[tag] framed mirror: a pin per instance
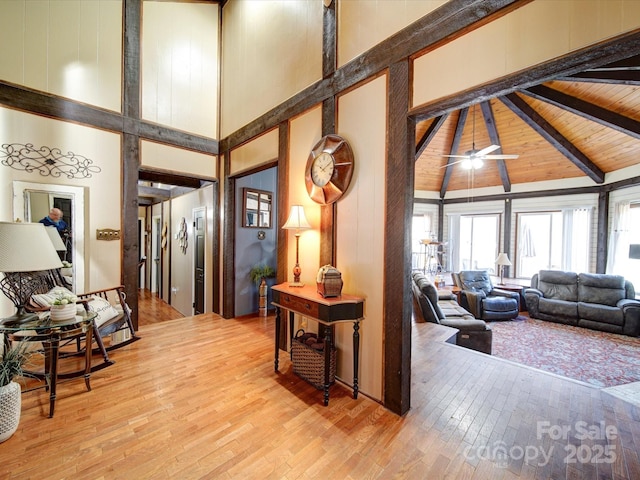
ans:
(256, 208)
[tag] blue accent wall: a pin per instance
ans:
(250, 250)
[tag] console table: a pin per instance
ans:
(306, 301)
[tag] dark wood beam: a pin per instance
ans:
(329, 40)
(153, 192)
(553, 136)
(171, 178)
(177, 138)
(229, 241)
(397, 302)
(585, 109)
(455, 144)
(602, 241)
(613, 49)
(130, 154)
(506, 235)
(451, 18)
(429, 134)
(616, 77)
(490, 122)
(629, 63)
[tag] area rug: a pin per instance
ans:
(598, 358)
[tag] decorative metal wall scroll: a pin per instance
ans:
(182, 235)
(46, 161)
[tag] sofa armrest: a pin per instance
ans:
(631, 312)
(496, 292)
(532, 296)
(472, 301)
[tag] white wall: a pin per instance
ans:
(180, 57)
(71, 48)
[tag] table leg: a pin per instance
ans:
(88, 354)
(291, 333)
(328, 345)
(54, 345)
(275, 363)
(356, 356)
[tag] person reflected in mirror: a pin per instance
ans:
(55, 219)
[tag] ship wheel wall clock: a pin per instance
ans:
(329, 169)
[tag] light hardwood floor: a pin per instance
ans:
(197, 397)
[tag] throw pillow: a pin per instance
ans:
(103, 309)
(46, 299)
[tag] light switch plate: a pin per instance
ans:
(107, 234)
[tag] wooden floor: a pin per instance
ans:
(197, 397)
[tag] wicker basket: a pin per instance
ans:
(308, 363)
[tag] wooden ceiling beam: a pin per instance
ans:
(630, 63)
(455, 144)
(429, 134)
(616, 77)
(553, 136)
(585, 109)
(490, 122)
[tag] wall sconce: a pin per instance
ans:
(297, 221)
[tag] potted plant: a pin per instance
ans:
(11, 365)
(63, 305)
(258, 275)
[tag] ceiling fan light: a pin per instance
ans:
(476, 163)
(467, 164)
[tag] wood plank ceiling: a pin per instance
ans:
(585, 125)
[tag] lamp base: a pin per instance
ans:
(296, 284)
(18, 319)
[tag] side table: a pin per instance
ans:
(519, 289)
(51, 333)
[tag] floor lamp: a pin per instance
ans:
(296, 221)
(502, 261)
(26, 252)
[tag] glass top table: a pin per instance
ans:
(53, 333)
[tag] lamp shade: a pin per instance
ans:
(26, 247)
(503, 260)
(57, 242)
(297, 220)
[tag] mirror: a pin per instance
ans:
(256, 210)
(32, 201)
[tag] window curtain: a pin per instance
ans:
(576, 239)
(618, 255)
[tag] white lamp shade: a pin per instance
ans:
(503, 259)
(26, 247)
(57, 242)
(297, 220)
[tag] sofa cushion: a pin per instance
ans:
(465, 324)
(600, 288)
(556, 307)
(499, 304)
(601, 313)
(450, 308)
(558, 285)
(428, 289)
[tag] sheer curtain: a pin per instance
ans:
(618, 255)
(576, 239)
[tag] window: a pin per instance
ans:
(421, 228)
(556, 240)
(623, 242)
(477, 245)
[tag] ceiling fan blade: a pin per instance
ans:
(500, 157)
(457, 156)
(489, 149)
(454, 163)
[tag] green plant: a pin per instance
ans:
(258, 272)
(13, 361)
(62, 297)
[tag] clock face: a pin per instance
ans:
(329, 169)
(322, 169)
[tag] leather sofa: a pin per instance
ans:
(440, 306)
(479, 296)
(596, 301)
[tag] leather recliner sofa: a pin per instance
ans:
(441, 307)
(590, 300)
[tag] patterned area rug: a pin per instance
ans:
(598, 358)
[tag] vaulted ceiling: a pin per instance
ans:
(583, 125)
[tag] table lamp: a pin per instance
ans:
(26, 252)
(296, 221)
(502, 261)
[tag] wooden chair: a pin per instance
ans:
(114, 316)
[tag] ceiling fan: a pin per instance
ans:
(474, 159)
